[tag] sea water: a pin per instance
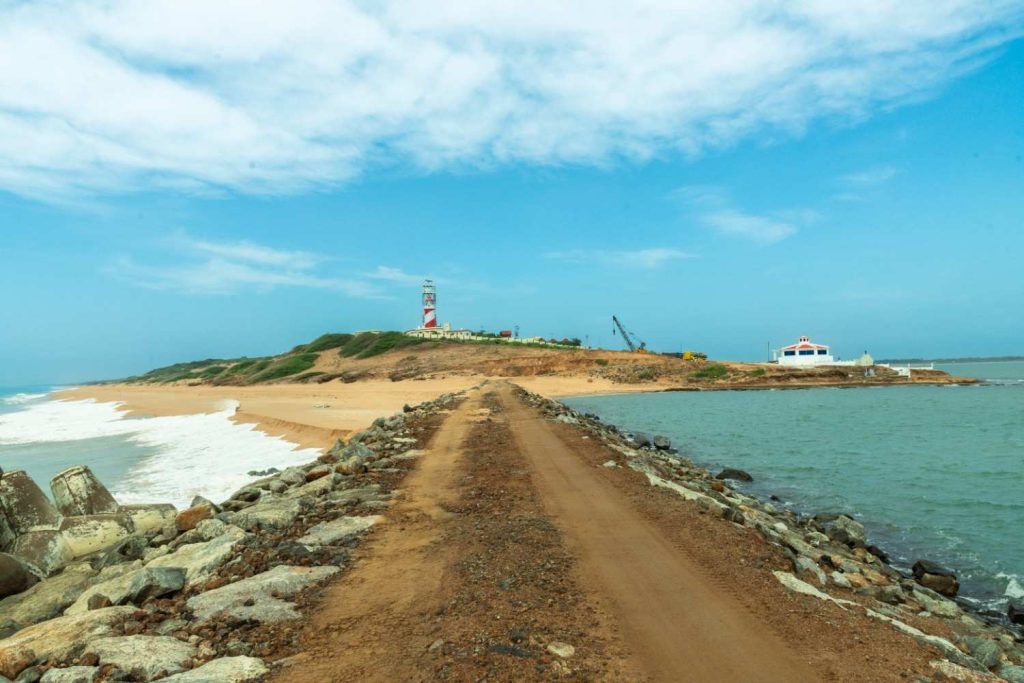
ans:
(933, 472)
(140, 459)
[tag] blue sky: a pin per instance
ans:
(718, 178)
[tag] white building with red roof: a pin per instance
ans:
(804, 352)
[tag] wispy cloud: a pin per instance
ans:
(637, 258)
(713, 208)
(870, 177)
(209, 267)
(389, 274)
(288, 97)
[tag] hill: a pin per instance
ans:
(344, 357)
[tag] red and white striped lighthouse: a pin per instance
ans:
(429, 304)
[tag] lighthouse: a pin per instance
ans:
(429, 304)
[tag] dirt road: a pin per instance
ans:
(511, 544)
(682, 625)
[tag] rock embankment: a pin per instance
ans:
(829, 555)
(96, 591)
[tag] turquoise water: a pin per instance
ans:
(934, 472)
(109, 457)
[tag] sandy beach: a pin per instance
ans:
(316, 415)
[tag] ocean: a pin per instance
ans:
(932, 472)
(140, 459)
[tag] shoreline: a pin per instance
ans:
(260, 521)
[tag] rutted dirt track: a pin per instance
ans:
(682, 625)
(509, 537)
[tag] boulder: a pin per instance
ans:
(258, 598)
(293, 476)
(25, 505)
(846, 530)
(130, 549)
(986, 651)
(317, 487)
(134, 587)
(71, 674)
(87, 534)
(223, 670)
(734, 474)
(151, 518)
(351, 465)
(44, 551)
(338, 530)
(144, 657)
(278, 513)
(7, 534)
(937, 605)
(77, 491)
(640, 440)
(662, 443)
(1015, 612)
(201, 560)
(936, 577)
(317, 472)
(48, 598)
(1012, 674)
(806, 567)
(57, 638)
(187, 520)
(15, 576)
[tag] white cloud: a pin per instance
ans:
(762, 229)
(870, 177)
(389, 274)
(287, 97)
(713, 208)
(638, 258)
(231, 267)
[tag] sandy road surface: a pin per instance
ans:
(682, 626)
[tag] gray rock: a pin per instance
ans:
(734, 474)
(77, 491)
(47, 599)
(72, 674)
(1012, 674)
(937, 605)
(58, 638)
(44, 551)
(355, 496)
(316, 488)
(341, 529)
(223, 670)
(15, 576)
(844, 529)
(151, 518)
(145, 657)
(134, 587)
(258, 598)
(640, 440)
(30, 675)
(201, 560)
(662, 443)
(278, 513)
(610, 464)
(1015, 612)
(293, 476)
(24, 504)
(806, 566)
(986, 651)
(248, 494)
(87, 534)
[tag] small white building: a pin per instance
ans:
(443, 332)
(804, 352)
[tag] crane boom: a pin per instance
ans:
(635, 345)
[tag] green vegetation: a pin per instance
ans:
(758, 372)
(369, 344)
(601, 361)
(283, 367)
(713, 371)
(324, 342)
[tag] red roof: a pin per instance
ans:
(804, 345)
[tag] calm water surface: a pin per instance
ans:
(933, 472)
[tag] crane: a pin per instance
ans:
(634, 344)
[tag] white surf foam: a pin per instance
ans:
(20, 399)
(206, 455)
(1014, 589)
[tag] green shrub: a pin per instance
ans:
(601, 361)
(283, 367)
(324, 342)
(757, 372)
(713, 371)
(212, 371)
(369, 344)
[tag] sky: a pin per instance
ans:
(183, 180)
